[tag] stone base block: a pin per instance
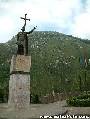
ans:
(19, 91)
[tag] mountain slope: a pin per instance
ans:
(55, 62)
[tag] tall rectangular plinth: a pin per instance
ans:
(19, 84)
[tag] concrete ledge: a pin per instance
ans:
(19, 72)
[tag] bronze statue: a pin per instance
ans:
(22, 39)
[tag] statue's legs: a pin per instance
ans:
(20, 50)
(26, 47)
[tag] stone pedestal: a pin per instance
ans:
(19, 84)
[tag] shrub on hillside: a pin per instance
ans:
(35, 99)
(79, 101)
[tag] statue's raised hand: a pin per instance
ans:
(35, 27)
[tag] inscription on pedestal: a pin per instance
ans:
(20, 63)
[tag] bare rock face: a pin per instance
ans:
(19, 84)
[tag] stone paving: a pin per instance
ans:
(37, 110)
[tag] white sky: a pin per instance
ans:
(66, 16)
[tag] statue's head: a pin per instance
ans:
(23, 29)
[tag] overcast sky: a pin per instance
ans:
(65, 16)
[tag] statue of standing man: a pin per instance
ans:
(22, 39)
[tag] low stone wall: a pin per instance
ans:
(50, 98)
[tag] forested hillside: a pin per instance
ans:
(58, 63)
